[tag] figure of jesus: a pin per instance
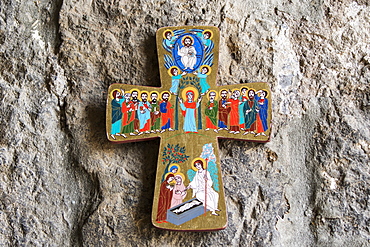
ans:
(188, 53)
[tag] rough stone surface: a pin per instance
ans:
(63, 184)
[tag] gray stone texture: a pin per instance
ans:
(63, 184)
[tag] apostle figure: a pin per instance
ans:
(166, 112)
(242, 98)
(189, 111)
(188, 53)
(116, 114)
(211, 112)
(165, 198)
(250, 112)
(143, 113)
(234, 112)
(155, 114)
(262, 112)
(179, 190)
(134, 105)
(202, 187)
(223, 111)
(128, 115)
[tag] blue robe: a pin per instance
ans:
(143, 117)
(263, 111)
(189, 120)
(116, 116)
(175, 83)
(203, 82)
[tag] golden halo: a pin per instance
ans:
(172, 67)
(208, 67)
(199, 158)
(175, 164)
(147, 93)
(181, 175)
(122, 92)
(168, 94)
(214, 92)
(190, 88)
(187, 36)
(165, 31)
(208, 30)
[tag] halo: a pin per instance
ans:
(165, 31)
(169, 70)
(187, 36)
(183, 93)
(208, 30)
(175, 164)
(181, 175)
(208, 67)
(204, 163)
(169, 97)
(122, 91)
(214, 92)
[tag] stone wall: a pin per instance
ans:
(63, 184)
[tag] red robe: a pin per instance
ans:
(234, 114)
(164, 202)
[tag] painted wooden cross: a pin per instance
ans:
(189, 113)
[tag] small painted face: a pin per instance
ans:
(168, 36)
(134, 95)
(175, 72)
(236, 94)
(187, 42)
(118, 94)
(190, 96)
(170, 179)
(178, 179)
(212, 96)
(144, 97)
(165, 96)
(263, 94)
(244, 90)
(204, 70)
(174, 170)
(251, 94)
(206, 36)
(224, 94)
(198, 166)
(127, 96)
(154, 97)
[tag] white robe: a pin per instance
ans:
(200, 193)
(188, 56)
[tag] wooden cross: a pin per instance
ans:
(189, 113)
